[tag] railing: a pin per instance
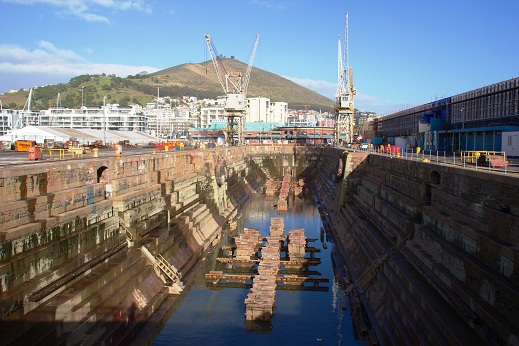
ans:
(493, 160)
(60, 154)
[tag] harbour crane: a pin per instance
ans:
(344, 106)
(26, 117)
(235, 86)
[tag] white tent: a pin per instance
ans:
(83, 136)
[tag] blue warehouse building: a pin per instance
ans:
(482, 119)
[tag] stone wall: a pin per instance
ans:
(431, 249)
(81, 240)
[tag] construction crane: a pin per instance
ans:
(344, 107)
(235, 86)
(26, 117)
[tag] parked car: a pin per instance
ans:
(364, 146)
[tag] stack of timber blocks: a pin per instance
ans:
(259, 304)
(297, 244)
(247, 242)
(277, 226)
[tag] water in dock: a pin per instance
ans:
(215, 315)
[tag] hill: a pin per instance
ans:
(193, 79)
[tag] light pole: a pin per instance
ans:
(104, 120)
(82, 96)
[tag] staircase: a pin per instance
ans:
(164, 268)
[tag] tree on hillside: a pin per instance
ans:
(89, 99)
(125, 101)
(68, 101)
(77, 81)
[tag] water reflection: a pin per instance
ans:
(215, 315)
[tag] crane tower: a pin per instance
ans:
(344, 107)
(235, 86)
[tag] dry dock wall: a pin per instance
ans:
(431, 250)
(90, 249)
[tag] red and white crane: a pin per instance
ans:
(235, 86)
(344, 106)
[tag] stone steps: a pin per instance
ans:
(460, 274)
(324, 188)
(410, 312)
(127, 333)
(206, 227)
(164, 238)
(395, 329)
(237, 193)
(186, 200)
(445, 325)
(175, 247)
(450, 320)
(391, 219)
(63, 267)
(103, 305)
(78, 302)
(189, 216)
(366, 235)
(114, 314)
(152, 325)
(19, 260)
(468, 237)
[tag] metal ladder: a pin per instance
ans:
(161, 265)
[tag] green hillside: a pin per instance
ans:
(198, 80)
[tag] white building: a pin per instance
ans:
(7, 120)
(109, 117)
(167, 122)
(208, 115)
(279, 112)
(258, 110)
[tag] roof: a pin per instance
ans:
(84, 136)
(248, 126)
(260, 126)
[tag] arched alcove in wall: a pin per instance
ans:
(101, 175)
(435, 177)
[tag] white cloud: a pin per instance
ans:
(86, 9)
(363, 102)
(322, 87)
(370, 103)
(47, 62)
(271, 5)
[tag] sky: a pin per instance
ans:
(403, 53)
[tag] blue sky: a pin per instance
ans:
(403, 52)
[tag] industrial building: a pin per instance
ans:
(486, 118)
